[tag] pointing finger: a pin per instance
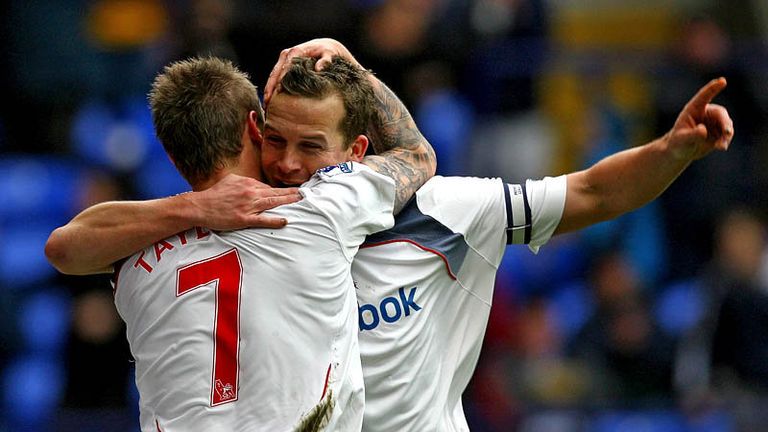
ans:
(706, 94)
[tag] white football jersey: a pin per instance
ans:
(251, 330)
(424, 292)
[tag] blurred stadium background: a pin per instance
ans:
(655, 322)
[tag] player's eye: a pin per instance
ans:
(312, 146)
(274, 141)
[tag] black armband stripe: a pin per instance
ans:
(518, 214)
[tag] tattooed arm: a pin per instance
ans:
(402, 152)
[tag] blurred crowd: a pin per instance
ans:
(657, 321)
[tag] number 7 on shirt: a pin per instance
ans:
(224, 273)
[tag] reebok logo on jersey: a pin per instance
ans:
(389, 310)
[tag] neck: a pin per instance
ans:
(206, 184)
(216, 177)
(247, 164)
(220, 174)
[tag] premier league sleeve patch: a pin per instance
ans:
(332, 170)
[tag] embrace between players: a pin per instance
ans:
(355, 295)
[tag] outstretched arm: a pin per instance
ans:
(402, 152)
(106, 232)
(630, 179)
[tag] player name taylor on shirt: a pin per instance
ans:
(144, 259)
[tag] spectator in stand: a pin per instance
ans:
(726, 355)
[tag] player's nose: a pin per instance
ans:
(289, 163)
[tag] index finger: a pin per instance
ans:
(261, 221)
(284, 191)
(707, 93)
(275, 76)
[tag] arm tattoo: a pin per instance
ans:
(402, 151)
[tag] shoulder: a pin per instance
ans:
(459, 184)
(347, 172)
(467, 205)
(350, 184)
(465, 195)
(356, 200)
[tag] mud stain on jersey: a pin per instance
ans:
(317, 419)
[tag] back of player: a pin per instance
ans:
(424, 290)
(256, 329)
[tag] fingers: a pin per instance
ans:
(322, 49)
(726, 138)
(719, 126)
(278, 192)
(260, 221)
(278, 72)
(257, 184)
(274, 201)
(717, 116)
(706, 94)
(276, 75)
(323, 62)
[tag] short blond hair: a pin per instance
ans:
(199, 109)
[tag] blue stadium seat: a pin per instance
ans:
(680, 306)
(44, 321)
(32, 388)
(638, 421)
(38, 187)
(117, 136)
(22, 255)
(533, 274)
(446, 120)
(572, 305)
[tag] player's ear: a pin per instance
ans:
(358, 148)
(254, 130)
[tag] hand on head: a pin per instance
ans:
(323, 49)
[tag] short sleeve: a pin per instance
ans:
(491, 214)
(470, 206)
(546, 201)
